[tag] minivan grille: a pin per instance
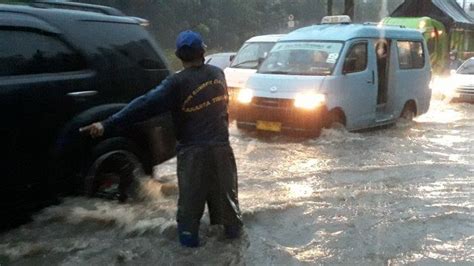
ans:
(272, 102)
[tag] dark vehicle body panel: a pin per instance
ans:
(113, 59)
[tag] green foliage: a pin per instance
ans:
(173, 61)
(175, 64)
(226, 24)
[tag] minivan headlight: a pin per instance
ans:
(309, 100)
(245, 96)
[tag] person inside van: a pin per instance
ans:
(320, 60)
(297, 61)
(382, 60)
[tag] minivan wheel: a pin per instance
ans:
(244, 126)
(334, 119)
(408, 112)
(114, 170)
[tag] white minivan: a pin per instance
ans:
(359, 75)
(246, 62)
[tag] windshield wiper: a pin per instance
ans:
(246, 62)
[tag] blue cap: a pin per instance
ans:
(191, 39)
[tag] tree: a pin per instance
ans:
(349, 8)
(225, 24)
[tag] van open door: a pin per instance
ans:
(360, 82)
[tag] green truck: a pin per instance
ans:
(440, 41)
(445, 26)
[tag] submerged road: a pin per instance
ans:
(400, 195)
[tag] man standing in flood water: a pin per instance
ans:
(197, 98)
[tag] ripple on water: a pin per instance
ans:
(398, 195)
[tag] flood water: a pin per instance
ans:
(399, 195)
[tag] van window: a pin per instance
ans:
(302, 58)
(410, 54)
(356, 59)
(221, 61)
(248, 56)
(25, 53)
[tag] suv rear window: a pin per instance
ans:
(26, 53)
(123, 44)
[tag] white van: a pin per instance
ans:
(357, 75)
(246, 62)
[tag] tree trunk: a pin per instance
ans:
(329, 6)
(349, 8)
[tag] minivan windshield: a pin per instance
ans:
(248, 56)
(302, 58)
(467, 68)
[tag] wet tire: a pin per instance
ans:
(408, 112)
(113, 169)
(244, 127)
(334, 119)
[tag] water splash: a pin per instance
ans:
(398, 195)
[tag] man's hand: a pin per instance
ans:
(95, 130)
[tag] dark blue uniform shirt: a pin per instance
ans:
(197, 98)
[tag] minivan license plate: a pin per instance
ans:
(269, 126)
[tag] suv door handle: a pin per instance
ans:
(80, 94)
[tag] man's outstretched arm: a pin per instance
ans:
(156, 101)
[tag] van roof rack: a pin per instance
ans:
(77, 6)
(340, 19)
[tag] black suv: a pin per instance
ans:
(62, 68)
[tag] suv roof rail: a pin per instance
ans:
(78, 6)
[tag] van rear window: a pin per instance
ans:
(410, 54)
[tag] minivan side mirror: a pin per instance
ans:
(452, 72)
(231, 58)
(260, 60)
